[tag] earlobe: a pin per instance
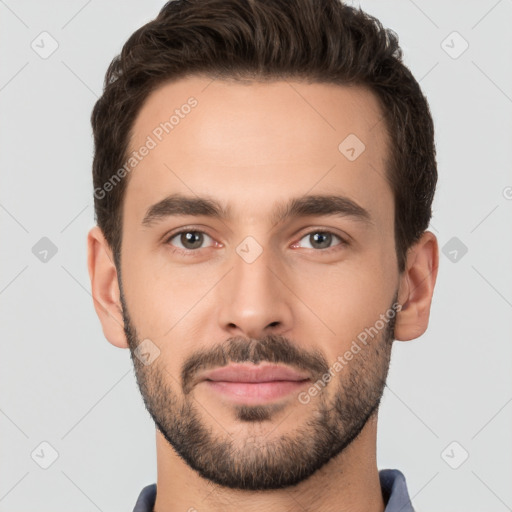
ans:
(105, 287)
(417, 287)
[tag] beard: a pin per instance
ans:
(257, 462)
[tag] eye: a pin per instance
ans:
(322, 240)
(189, 239)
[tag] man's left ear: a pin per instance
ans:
(416, 288)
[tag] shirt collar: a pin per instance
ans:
(392, 482)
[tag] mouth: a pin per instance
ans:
(251, 384)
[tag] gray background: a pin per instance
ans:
(62, 383)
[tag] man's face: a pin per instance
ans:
(256, 287)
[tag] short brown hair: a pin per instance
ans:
(321, 41)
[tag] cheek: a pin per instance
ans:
(159, 295)
(343, 300)
(162, 309)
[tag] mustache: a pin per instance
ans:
(272, 349)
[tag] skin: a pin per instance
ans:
(250, 147)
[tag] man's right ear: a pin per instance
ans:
(105, 287)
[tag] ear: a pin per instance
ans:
(416, 288)
(105, 288)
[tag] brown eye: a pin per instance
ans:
(188, 240)
(322, 240)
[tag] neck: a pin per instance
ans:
(348, 482)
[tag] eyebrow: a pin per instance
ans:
(305, 206)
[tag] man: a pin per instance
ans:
(263, 178)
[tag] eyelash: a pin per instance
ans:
(192, 252)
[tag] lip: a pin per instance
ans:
(253, 374)
(250, 384)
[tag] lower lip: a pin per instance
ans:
(256, 392)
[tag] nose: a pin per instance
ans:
(255, 299)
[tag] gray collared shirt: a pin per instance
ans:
(392, 482)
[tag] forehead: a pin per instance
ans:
(254, 141)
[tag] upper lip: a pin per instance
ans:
(252, 373)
